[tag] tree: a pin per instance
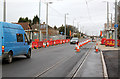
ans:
(55, 27)
(24, 20)
(35, 19)
(68, 29)
(61, 29)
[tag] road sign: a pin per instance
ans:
(61, 33)
(116, 25)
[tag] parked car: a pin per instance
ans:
(74, 40)
(93, 39)
(13, 41)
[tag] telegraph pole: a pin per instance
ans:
(39, 19)
(4, 14)
(107, 20)
(116, 18)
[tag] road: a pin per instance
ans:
(54, 61)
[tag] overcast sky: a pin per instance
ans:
(89, 15)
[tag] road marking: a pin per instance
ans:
(105, 74)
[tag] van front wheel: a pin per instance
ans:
(28, 55)
(9, 58)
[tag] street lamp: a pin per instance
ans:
(107, 19)
(73, 24)
(4, 14)
(111, 26)
(65, 23)
(116, 18)
(47, 20)
(39, 18)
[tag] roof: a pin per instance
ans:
(25, 25)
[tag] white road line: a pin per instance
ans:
(105, 74)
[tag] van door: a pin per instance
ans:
(0, 39)
(26, 45)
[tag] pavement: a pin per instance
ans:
(92, 67)
(111, 57)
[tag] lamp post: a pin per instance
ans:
(65, 23)
(4, 14)
(111, 26)
(39, 19)
(47, 35)
(107, 19)
(73, 24)
(116, 18)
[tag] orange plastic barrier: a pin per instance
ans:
(34, 45)
(36, 40)
(103, 41)
(111, 42)
(119, 43)
(40, 44)
(107, 42)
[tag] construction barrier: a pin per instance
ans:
(51, 43)
(103, 41)
(40, 44)
(63, 41)
(107, 42)
(34, 45)
(37, 44)
(119, 43)
(111, 42)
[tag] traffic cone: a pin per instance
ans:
(78, 49)
(96, 48)
(61, 42)
(44, 44)
(47, 44)
(54, 43)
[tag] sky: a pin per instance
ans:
(88, 15)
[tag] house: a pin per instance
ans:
(33, 31)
